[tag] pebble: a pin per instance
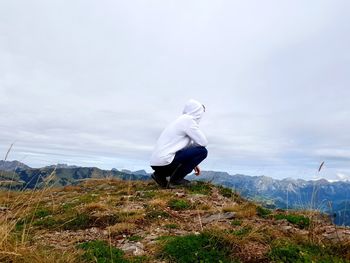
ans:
(133, 248)
(218, 217)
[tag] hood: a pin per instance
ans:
(194, 109)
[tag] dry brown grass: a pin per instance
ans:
(246, 210)
(229, 209)
(23, 253)
(121, 228)
(161, 202)
(132, 216)
(92, 207)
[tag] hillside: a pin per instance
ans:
(111, 220)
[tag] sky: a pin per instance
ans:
(94, 83)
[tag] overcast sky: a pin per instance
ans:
(93, 83)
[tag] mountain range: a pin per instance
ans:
(322, 195)
(17, 176)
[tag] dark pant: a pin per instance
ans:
(184, 162)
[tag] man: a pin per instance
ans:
(180, 148)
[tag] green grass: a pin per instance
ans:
(242, 231)
(156, 214)
(298, 220)
(293, 253)
(81, 221)
(179, 204)
(236, 222)
(203, 248)
(67, 207)
(100, 252)
(135, 238)
(47, 222)
(171, 226)
(88, 198)
(263, 212)
(42, 212)
(200, 188)
(74, 222)
(226, 192)
(148, 194)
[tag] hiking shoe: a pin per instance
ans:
(161, 181)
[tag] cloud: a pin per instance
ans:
(343, 177)
(95, 83)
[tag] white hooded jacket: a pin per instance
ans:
(181, 133)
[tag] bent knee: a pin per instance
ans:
(203, 151)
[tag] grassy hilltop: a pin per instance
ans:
(111, 220)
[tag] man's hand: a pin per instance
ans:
(197, 171)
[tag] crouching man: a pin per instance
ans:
(180, 148)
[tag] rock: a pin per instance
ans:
(3, 208)
(198, 197)
(93, 230)
(135, 249)
(286, 228)
(180, 194)
(218, 217)
(331, 236)
(151, 237)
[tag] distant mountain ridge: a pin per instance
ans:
(330, 197)
(10, 166)
(16, 176)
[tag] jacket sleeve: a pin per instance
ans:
(193, 131)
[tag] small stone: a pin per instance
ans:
(286, 228)
(218, 217)
(179, 194)
(135, 249)
(93, 230)
(3, 208)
